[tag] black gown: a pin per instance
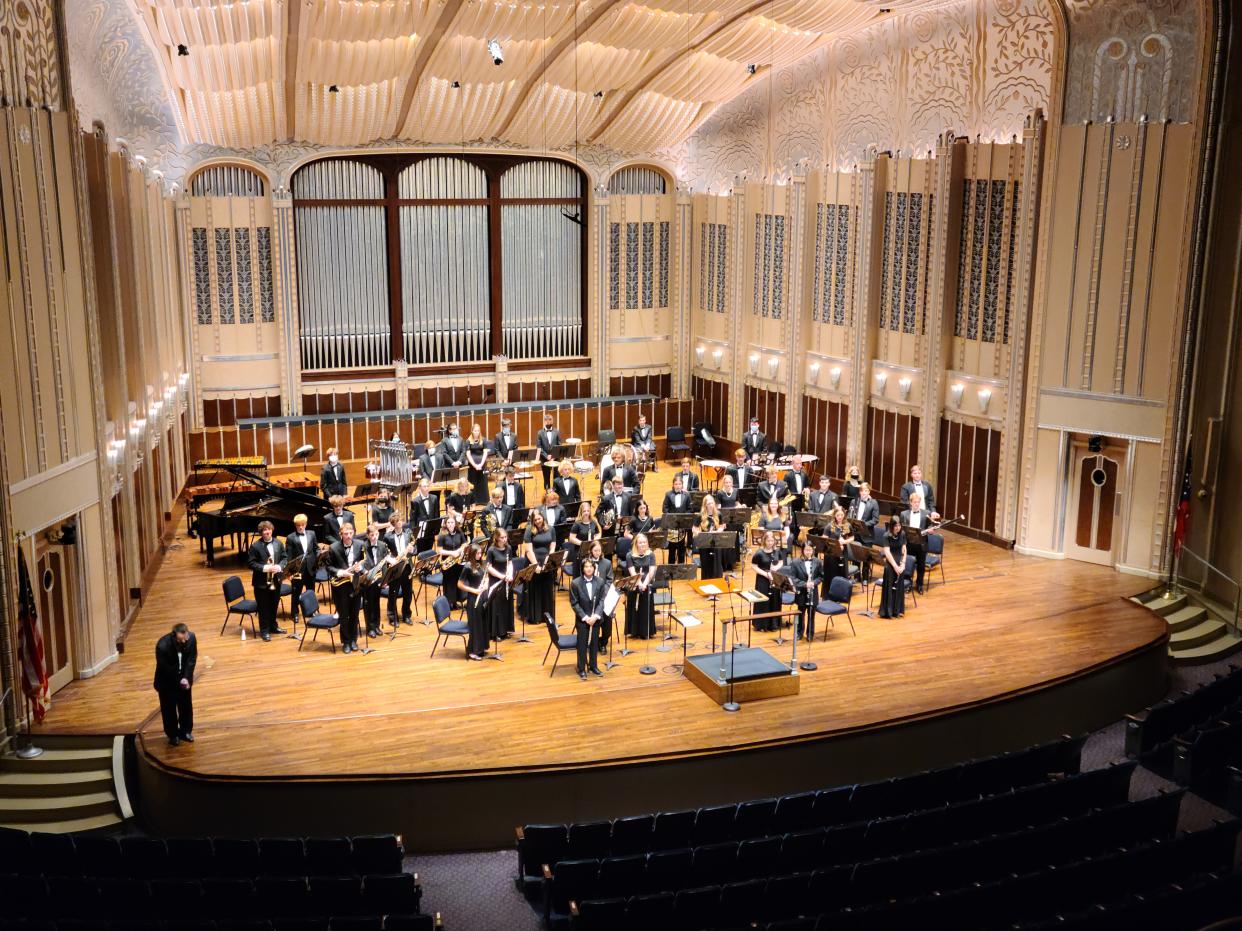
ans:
(477, 615)
(583, 532)
(451, 541)
(834, 567)
(765, 560)
(892, 590)
(541, 589)
(710, 562)
(501, 605)
(640, 606)
(477, 477)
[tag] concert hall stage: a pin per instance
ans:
(453, 754)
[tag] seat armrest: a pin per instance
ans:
(547, 871)
(573, 908)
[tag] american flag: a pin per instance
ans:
(1181, 525)
(30, 645)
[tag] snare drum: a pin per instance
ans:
(584, 466)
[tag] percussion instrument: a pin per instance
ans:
(584, 466)
(714, 463)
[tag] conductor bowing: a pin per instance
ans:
(176, 654)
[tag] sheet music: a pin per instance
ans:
(687, 620)
(611, 598)
(711, 590)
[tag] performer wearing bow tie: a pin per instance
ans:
(506, 443)
(643, 438)
(677, 501)
(586, 597)
(823, 499)
(753, 442)
(332, 478)
(547, 444)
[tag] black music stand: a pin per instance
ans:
(420, 567)
(783, 583)
(488, 594)
(664, 575)
(677, 522)
(810, 521)
(748, 496)
(293, 567)
(624, 585)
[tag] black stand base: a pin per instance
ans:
(731, 706)
(647, 670)
(808, 665)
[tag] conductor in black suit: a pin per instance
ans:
(332, 478)
(753, 442)
(506, 443)
(916, 485)
(266, 559)
(176, 653)
(586, 597)
(302, 542)
(546, 444)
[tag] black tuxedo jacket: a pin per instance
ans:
(822, 501)
(453, 449)
(753, 443)
(506, 446)
(567, 487)
(629, 478)
(870, 512)
(738, 475)
(769, 490)
(581, 604)
(546, 443)
(924, 523)
(373, 559)
(332, 525)
(332, 480)
(504, 514)
(689, 481)
(341, 558)
(256, 559)
(420, 512)
(670, 508)
(929, 497)
(390, 541)
(623, 507)
(810, 570)
(789, 481)
(168, 674)
(293, 549)
(641, 436)
(519, 494)
(431, 461)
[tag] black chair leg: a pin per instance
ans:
(545, 655)
(225, 625)
(434, 645)
(331, 640)
(554, 662)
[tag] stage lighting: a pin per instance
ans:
(493, 49)
(456, 85)
(183, 51)
(333, 89)
(751, 69)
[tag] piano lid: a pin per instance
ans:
(315, 506)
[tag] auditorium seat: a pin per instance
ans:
(145, 856)
(632, 835)
(236, 856)
(1160, 723)
(282, 856)
(714, 823)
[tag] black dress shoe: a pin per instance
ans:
(407, 620)
(173, 741)
(266, 637)
(346, 648)
(279, 630)
(582, 676)
(596, 672)
(373, 633)
(189, 738)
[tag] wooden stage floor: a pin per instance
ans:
(1004, 626)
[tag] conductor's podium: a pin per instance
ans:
(754, 673)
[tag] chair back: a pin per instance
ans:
(233, 589)
(909, 569)
(553, 634)
(935, 543)
(879, 534)
(417, 450)
(675, 435)
(840, 590)
(308, 603)
(441, 609)
(607, 437)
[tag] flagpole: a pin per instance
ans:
(30, 751)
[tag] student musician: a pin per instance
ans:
(400, 543)
(432, 461)
(474, 584)
(739, 471)
(689, 481)
(451, 545)
(614, 466)
(460, 500)
(726, 494)
(710, 566)
(603, 571)
(806, 571)
(500, 514)
(453, 448)
(586, 598)
(506, 443)
(893, 590)
(865, 508)
(566, 486)
(838, 529)
(797, 482)
(553, 513)
(852, 485)
(333, 522)
(640, 601)
(772, 519)
(753, 442)
(767, 560)
(920, 519)
(641, 520)
(267, 559)
(332, 478)
(676, 501)
(476, 464)
(823, 499)
(376, 553)
(643, 438)
(916, 486)
(381, 508)
(345, 558)
(424, 509)
(511, 488)
(585, 529)
(302, 542)
(771, 488)
(615, 504)
(539, 544)
(547, 446)
(500, 568)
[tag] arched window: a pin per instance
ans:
(227, 181)
(637, 179)
(439, 259)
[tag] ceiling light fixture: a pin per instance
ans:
(183, 51)
(751, 69)
(494, 49)
(333, 89)
(456, 85)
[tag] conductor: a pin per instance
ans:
(176, 653)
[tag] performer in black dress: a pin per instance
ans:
(476, 464)
(640, 602)
(381, 508)
(500, 567)
(709, 522)
(451, 543)
(892, 590)
(642, 521)
(474, 583)
(538, 545)
(838, 529)
(584, 529)
(766, 561)
(770, 518)
(460, 499)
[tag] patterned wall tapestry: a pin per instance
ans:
(29, 60)
(977, 68)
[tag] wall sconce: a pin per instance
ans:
(718, 357)
(699, 353)
(774, 366)
(834, 376)
(903, 384)
(184, 379)
(956, 390)
(881, 379)
(753, 363)
(813, 373)
(985, 396)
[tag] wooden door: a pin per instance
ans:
(53, 584)
(1095, 495)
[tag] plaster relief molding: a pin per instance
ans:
(30, 62)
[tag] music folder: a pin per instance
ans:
(715, 540)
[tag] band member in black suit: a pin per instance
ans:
(332, 478)
(807, 572)
(345, 559)
(677, 501)
(501, 514)
(689, 481)
(336, 519)
(586, 597)
(511, 488)
(616, 466)
(620, 501)
(431, 461)
(920, 518)
(771, 488)
(546, 448)
(266, 559)
(797, 481)
(566, 486)
(376, 553)
(603, 571)
(400, 542)
(823, 499)
(424, 509)
(867, 510)
(506, 443)
(742, 476)
(555, 516)
(453, 448)
(643, 438)
(302, 542)
(176, 654)
(753, 442)
(916, 486)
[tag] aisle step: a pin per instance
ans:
(33, 810)
(1187, 617)
(1201, 633)
(54, 760)
(49, 784)
(68, 826)
(1223, 646)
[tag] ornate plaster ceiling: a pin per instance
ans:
(632, 75)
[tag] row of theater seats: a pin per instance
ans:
(1137, 885)
(1208, 760)
(540, 845)
(844, 848)
(1149, 734)
(198, 857)
(372, 923)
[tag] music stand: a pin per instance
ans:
(712, 589)
(293, 567)
(696, 499)
(424, 566)
(783, 583)
(447, 474)
(625, 584)
(748, 496)
(391, 572)
(664, 575)
(686, 620)
(713, 540)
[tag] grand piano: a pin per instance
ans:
(239, 506)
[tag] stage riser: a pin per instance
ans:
(480, 812)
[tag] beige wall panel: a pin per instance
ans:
(1044, 486)
(41, 500)
(1114, 241)
(96, 632)
(1141, 516)
(1086, 414)
(1062, 247)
